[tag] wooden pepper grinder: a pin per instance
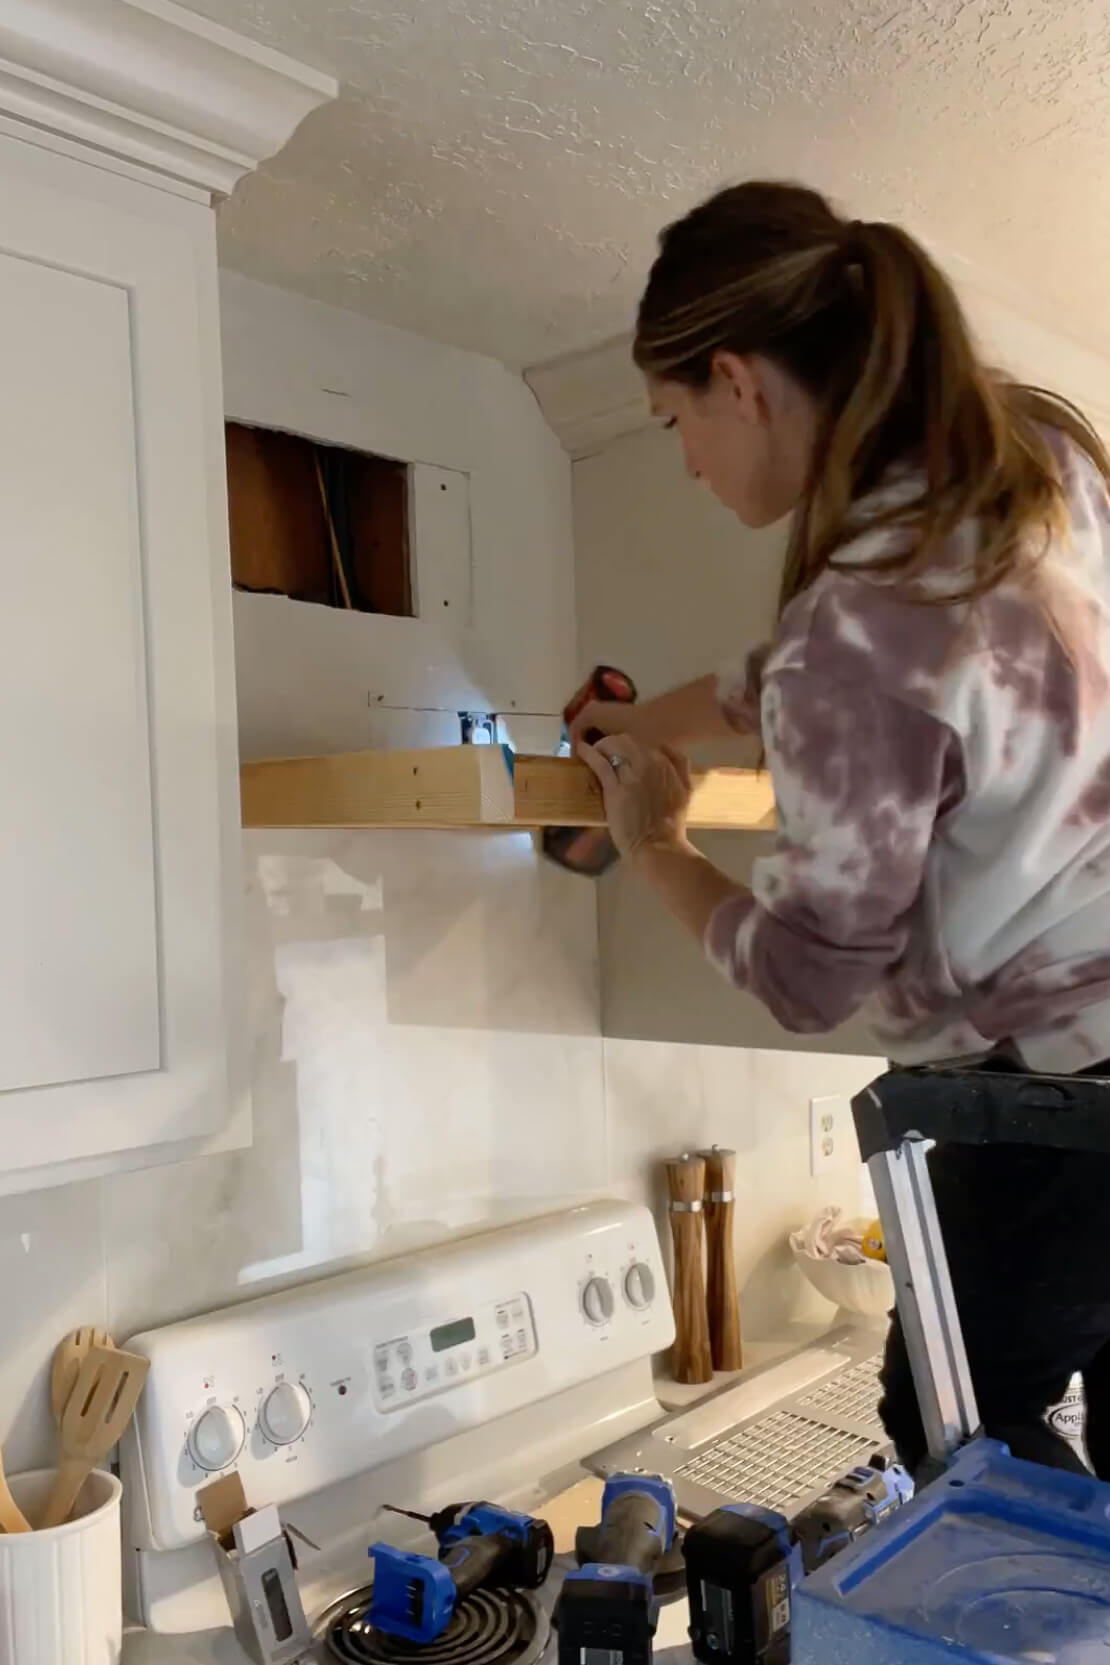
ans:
(691, 1360)
(722, 1299)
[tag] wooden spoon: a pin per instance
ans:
(12, 1518)
(69, 1355)
(100, 1405)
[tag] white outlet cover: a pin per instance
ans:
(829, 1131)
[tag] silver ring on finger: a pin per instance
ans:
(616, 761)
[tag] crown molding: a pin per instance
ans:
(589, 398)
(149, 84)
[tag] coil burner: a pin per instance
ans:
(491, 1627)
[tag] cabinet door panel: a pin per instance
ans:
(78, 947)
(120, 781)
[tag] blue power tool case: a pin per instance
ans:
(998, 1560)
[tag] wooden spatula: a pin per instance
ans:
(12, 1518)
(100, 1405)
(69, 1355)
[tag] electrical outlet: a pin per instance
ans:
(830, 1130)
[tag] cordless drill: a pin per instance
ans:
(588, 850)
(480, 1545)
(742, 1562)
(607, 1608)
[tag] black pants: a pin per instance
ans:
(1027, 1233)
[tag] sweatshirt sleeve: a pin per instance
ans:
(859, 778)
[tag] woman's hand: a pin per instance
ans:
(692, 712)
(607, 717)
(647, 793)
(647, 797)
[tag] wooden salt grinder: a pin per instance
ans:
(721, 1295)
(691, 1360)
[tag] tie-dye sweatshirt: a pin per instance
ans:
(942, 778)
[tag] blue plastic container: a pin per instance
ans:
(999, 1560)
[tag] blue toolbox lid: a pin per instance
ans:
(998, 1560)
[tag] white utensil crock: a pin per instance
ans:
(60, 1592)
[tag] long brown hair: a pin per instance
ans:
(861, 317)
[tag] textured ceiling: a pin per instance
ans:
(496, 170)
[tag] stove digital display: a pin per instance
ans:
(451, 1335)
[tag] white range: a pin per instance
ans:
(487, 1367)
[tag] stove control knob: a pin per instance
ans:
(597, 1301)
(284, 1416)
(639, 1286)
(216, 1438)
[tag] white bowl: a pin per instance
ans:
(867, 1289)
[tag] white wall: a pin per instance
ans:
(294, 364)
(423, 1007)
(1027, 348)
(670, 586)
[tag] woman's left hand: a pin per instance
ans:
(647, 793)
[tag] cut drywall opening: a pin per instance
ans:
(318, 523)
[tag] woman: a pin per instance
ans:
(935, 714)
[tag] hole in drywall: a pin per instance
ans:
(318, 523)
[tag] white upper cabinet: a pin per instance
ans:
(119, 873)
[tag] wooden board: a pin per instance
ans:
(469, 786)
(560, 792)
(451, 786)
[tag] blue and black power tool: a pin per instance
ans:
(860, 1500)
(481, 1545)
(608, 1608)
(742, 1562)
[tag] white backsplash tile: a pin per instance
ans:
(655, 1105)
(426, 1058)
(783, 1080)
(662, 1099)
(423, 1014)
(176, 1237)
(52, 1275)
(775, 1191)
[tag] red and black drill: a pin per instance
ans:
(589, 850)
